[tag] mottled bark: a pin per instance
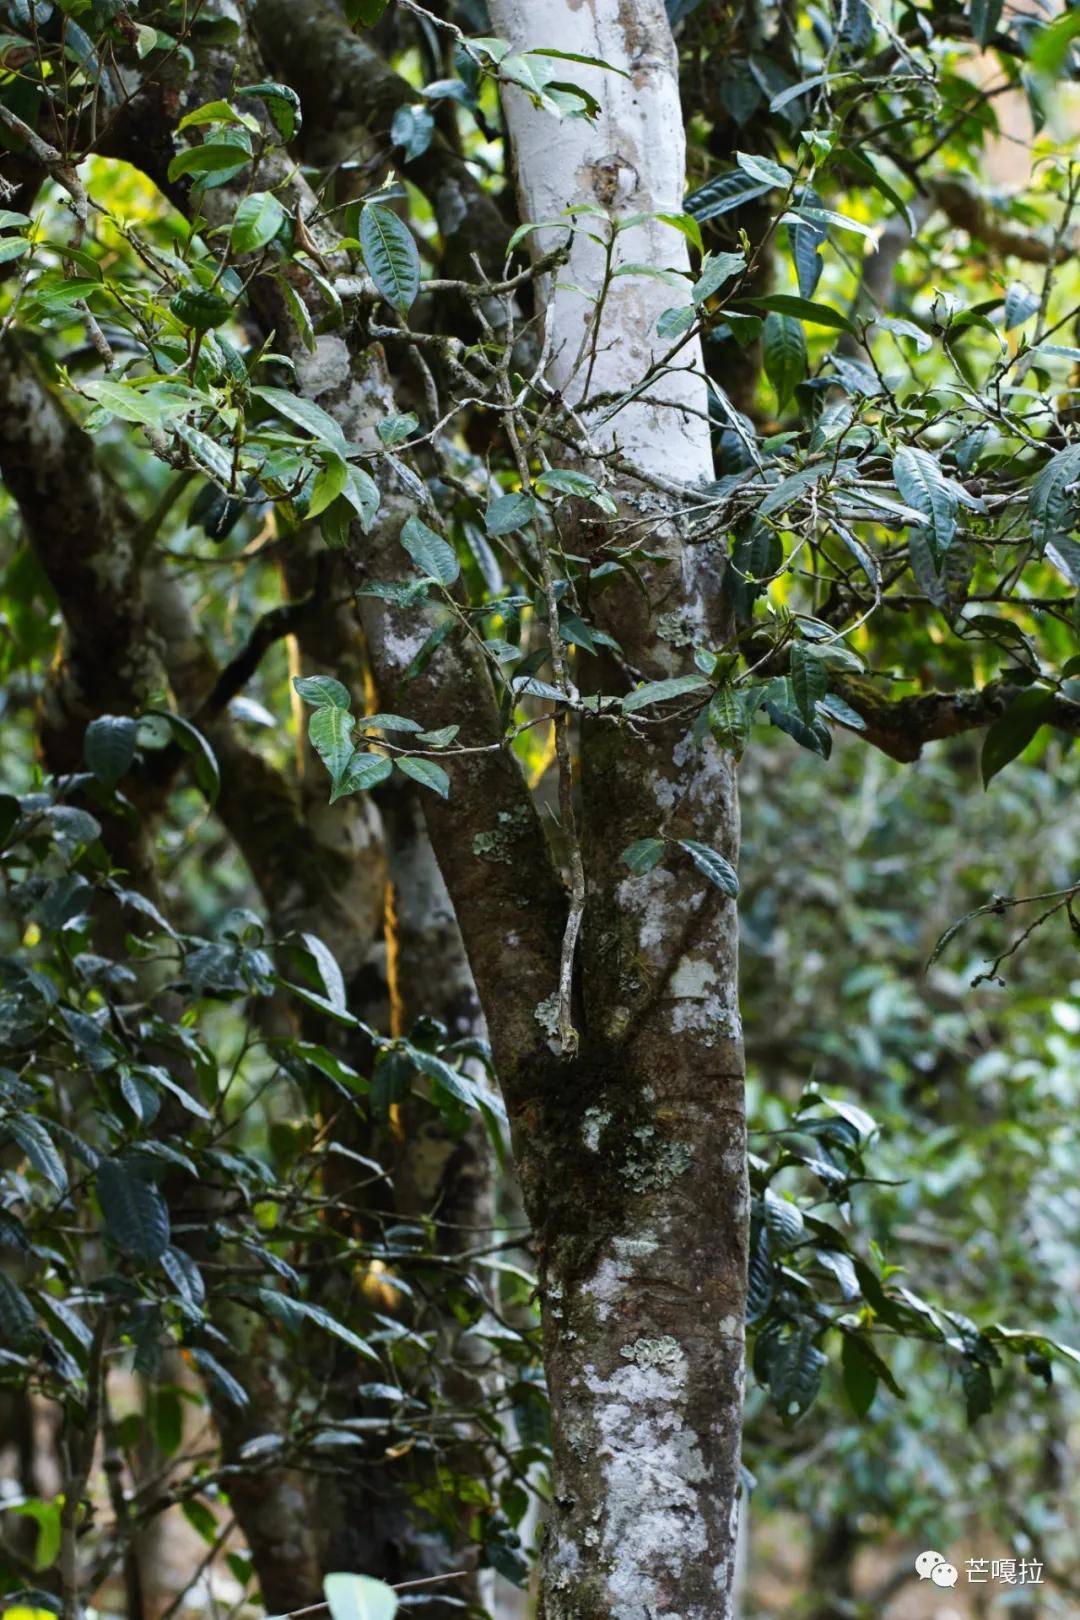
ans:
(84, 535)
(631, 1152)
(644, 1251)
(416, 966)
(350, 96)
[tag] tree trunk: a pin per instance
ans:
(633, 1155)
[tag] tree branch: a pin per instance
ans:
(901, 728)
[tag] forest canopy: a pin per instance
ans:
(539, 584)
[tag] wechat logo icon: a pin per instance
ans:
(932, 1566)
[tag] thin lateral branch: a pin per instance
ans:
(54, 161)
(82, 1445)
(400, 1586)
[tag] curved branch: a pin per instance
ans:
(901, 728)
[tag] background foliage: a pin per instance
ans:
(228, 1260)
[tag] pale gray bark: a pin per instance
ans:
(644, 1292)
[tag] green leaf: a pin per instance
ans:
(427, 773)
(430, 647)
(390, 255)
(985, 17)
(785, 355)
(653, 272)
(1052, 44)
(362, 494)
(221, 1379)
(388, 722)
(795, 1373)
(200, 309)
(863, 166)
(299, 311)
(18, 1322)
(281, 102)
(192, 741)
(128, 403)
(293, 1313)
(722, 193)
(860, 1375)
(257, 221)
(412, 129)
(431, 554)
(565, 481)
(1064, 553)
(210, 158)
(713, 865)
(184, 1275)
(978, 1386)
(214, 112)
(13, 247)
(330, 730)
(363, 772)
(364, 13)
(322, 690)
(307, 415)
(449, 1079)
(329, 971)
(109, 746)
(330, 481)
(730, 713)
(36, 1143)
(1052, 499)
(782, 711)
(1014, 729)
(147, 41)
(803, 309)
(841, 712)
(763, 169)
(136, 1218)
(586, 61)
(642, 856)
(394, 430)
(809, 680)
(718, 269)
(923, 486)
(359, 1597)
(784, 1220)
(806, 214)
(510, 512)
(661, 691)
(674, 322)
(1020, 304)
(805, 242)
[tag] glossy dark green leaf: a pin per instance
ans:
(390, 255)
(109, 746)
(1014, 729)
(427, 772)
(430, 552)
(715, 866)
(136, 1217)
